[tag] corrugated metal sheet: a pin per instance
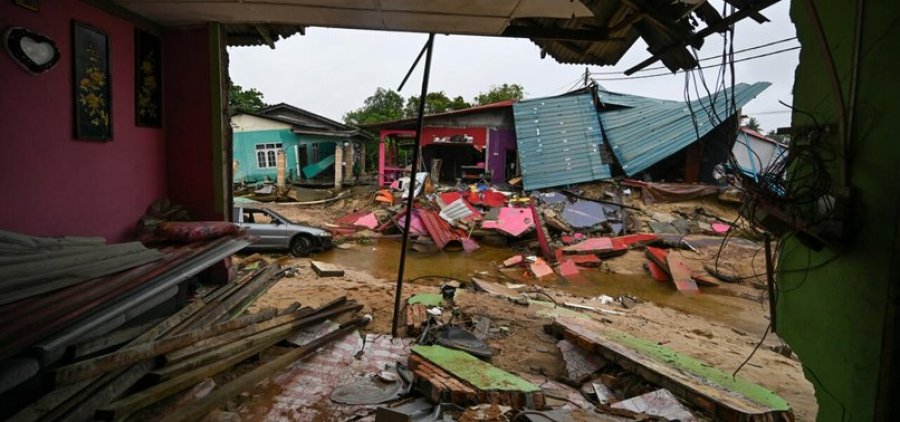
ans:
(659, 25)
(559, 141)
(647, 130)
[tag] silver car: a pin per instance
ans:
(277, 232)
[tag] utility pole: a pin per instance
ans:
(587, 75)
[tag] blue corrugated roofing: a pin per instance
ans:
(647, 130)
(559, 140)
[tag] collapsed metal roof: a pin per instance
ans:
(643, 131)
(597, 32)
(559, 141)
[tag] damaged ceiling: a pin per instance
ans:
(594, 32)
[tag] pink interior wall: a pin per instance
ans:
(188, 115)
(50, 183)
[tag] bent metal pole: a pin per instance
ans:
(398, 292)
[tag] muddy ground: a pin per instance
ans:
(721, 326)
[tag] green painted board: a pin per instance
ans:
(479, 374)
(427, 299)
(706, 380)
(314, 169)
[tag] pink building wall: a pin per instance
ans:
(188, 114)
(50, 183)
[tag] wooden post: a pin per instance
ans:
(281, 162)
(348, 160)
(381, 160)
(338, 166)
(362, 160)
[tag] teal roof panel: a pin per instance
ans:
(644, 131)
(559, 141)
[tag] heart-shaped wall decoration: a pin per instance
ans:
(34, 52)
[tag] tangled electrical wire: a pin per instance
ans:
(797, 180)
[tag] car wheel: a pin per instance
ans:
(300, 246)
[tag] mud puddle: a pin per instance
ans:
(381, 259)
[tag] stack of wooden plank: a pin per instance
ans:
(448, 375)
(205, 338)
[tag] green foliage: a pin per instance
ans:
(753, 124)
(435, 102)
(249, 100)
(382, 106)
(499, 93)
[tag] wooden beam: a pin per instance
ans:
(202, 407)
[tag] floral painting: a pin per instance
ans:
(148, 80)
(92, 95)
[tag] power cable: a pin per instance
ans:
(625, 78)
(757, 47)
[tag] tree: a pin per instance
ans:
(435, 102)
(382, 106)
(753, 124)
(249, 100)
(499, 93)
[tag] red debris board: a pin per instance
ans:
(350, 219)
(681, 275)
(369, 221)
(593, 245)
(567, 239)
(625, 242)
(540, 269)
(656, 271)
(488, 198)
(514, 221)
(568, 268)
(415, 226)
(516, 260)
(585, 260)
(658, 256)
(558, 254)
(441, 232)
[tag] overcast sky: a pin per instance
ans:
(332, 71)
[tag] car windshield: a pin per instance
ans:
(262, 216)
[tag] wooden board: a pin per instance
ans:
(681, 275)
(720, 395)
(324, 269)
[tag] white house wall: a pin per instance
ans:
(249, 123)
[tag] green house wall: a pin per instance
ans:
(245, 152)
(839, 315)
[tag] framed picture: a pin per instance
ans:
(91, 83)
(34, 5)
(147, 79)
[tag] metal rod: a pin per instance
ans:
(413, 67)
(412, 185)
(770, 278)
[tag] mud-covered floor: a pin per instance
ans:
(721, 326)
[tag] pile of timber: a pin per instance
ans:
(58, 292)
(131, 370)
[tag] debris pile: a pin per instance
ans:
(146, 367)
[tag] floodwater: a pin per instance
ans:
(381, 259)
